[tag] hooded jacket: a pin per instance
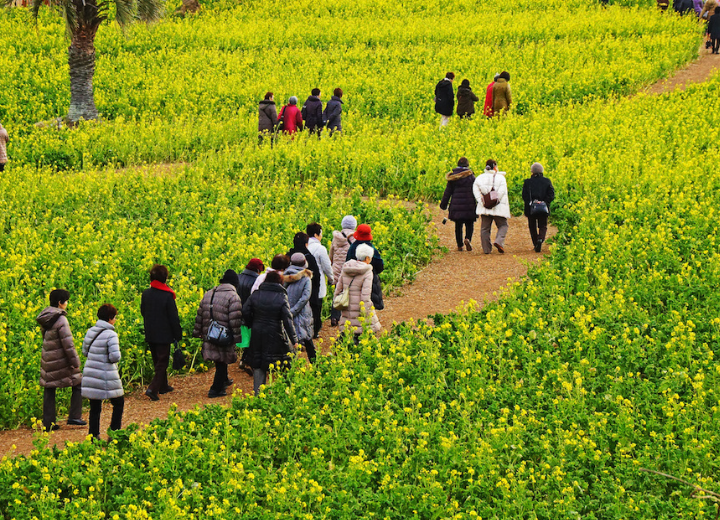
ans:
(466, 101)
(312, 112)
(312, 265)
(267, 313)
(267, 116)
(298, 285)
(60, 364)
(101, 347)
(227, 311)
(358, 277)
(459, 194)
(444, 97)
(489, 180)
(333, 114)
(339, 248)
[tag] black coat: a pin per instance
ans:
(267, 313)
(313, 266)
(247, 280)
(312, 112)
(444, 97)
(459, 194)
(160, 317)
(713, 27)
(537, 188)
(333, 114)
(466, 101)
(377, 262)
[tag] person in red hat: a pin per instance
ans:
(363, 235)
(248, 277)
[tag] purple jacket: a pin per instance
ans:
(459, 193)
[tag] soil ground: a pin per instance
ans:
(448, 281)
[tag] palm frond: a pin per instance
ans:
(67, 10)
(150, 10)
(124, 11)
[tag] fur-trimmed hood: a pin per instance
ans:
(295, 274)
(458, 173)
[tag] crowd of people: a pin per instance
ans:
(268, 313)
(498, 98)
(486, 196)
(312, 117)
(705, 10)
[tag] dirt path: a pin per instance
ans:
(439, 288)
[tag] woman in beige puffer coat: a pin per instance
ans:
(338, 252)
(357, 275)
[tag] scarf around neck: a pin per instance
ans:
(162, 287)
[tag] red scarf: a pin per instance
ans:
(162, 287)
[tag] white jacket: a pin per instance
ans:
(320, 253)
(483, 185)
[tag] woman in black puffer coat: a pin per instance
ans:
(273, 338)
(459, 194)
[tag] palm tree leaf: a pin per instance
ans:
(124, 11)
(150, 10)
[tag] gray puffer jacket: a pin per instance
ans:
(101, 347)
(227, 311)
(60, 365)
(298, 285)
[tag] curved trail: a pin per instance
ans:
(444, 284)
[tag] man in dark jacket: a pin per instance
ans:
(162, 327)
(312, 112)
(333, 112)
(537, 187)
(445, 98)
(363, 235)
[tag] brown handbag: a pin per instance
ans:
(491, 199)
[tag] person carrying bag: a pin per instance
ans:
(538, 193)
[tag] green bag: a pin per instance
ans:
(245, 337)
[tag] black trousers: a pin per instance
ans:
(715, 47)
(2, 167)
(161, 358)
(469, 227)
(538, 227)
(118, 404)
(316, 306)
(310, 349)
(49, 409)
(221, 375)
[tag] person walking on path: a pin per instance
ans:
(312, 112)
(220, 305)
(363, 235)
(445, 99)
(273, 340)
(502, 96)
(459, 195)
(60, 363)
(4, 140)
(300, 245)
(290, 118)
(488, 107)
(101, 379)
(357, 277)
(248, 278)
(320, 253)
(162, 328)
(492, 207)
(466, 100)
(713, 30)
(297, 280)
(540, 188)
(338, 252)
(333, 112)
(267, 117)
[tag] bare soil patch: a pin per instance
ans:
(698, 71)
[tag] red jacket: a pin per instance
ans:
(292, 119)
(488, 111)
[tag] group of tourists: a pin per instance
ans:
(486, 196)
(705, 10)
(269, 313)
(291, 119)
(498, 98)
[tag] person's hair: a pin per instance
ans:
(106, 312)
(450, 75)
(364, 251)
(292, 100)
(536, 169)
(315, 92)
(268, 95)
(490, 164)
(159, 273)
(465, 83)
(274, 277)
(505, 75)
(463, 162)
(300, 240)
(58, 296)
(313, 229)
(280, 262)
(338, 92)
(496, 77)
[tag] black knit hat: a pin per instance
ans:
(231, 277)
